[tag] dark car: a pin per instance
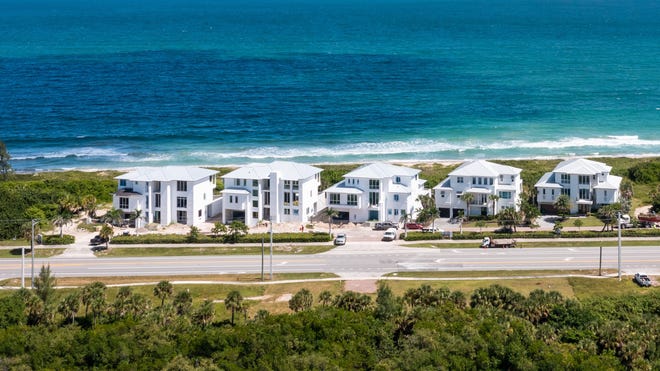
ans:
(414, 226)
(642, 280)
(383, 226)
(97, 240)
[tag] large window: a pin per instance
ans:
(566, 178)
(459, 179)
(566, 191)
(295, 185)
(157, 200)
(122, 182)
(287, 198)
(585, 194)
(123, 202)
(267, 198)
(334, 198)
(373, 198)
(351, 200)
(182, 217)
(156, 216)
(506, 195)
(396, 197)
(374, 184)
(583, 179)
(182, 202)
(181, 186)
(255, 183)
(287, 184)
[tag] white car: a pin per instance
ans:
(389, 235)
(340, 239)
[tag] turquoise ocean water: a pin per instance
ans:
(118, 83)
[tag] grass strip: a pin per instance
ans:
(40, 252)
(116, 252)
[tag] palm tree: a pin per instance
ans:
(106, 233)
(233, 302)
(163, 290)
(89, 204)
(70, 305)
(204, 315)
(330, 213)
(494, 198)
(563, 205)
(61, 220)
(113, 216)
(468, 198)
(325, 297)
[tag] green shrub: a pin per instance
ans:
(66, 239)
(645, 172)
(250, 238)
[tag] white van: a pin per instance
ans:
(389, 235)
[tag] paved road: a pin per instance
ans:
(355, 260)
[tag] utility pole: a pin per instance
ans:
(618, 220)
(262, 258)
(34, 222)
(271, 249)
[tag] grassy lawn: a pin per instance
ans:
(20, 242)
(116, 252)
(41, 252)
(532, 244)
(588, 221)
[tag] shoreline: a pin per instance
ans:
(421, 162)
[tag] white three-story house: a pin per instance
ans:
(587, 183)
(169, 194)
(377, 192)
(492, 188)
(282, 192)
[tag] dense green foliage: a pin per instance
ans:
(645, 172)
(250, 238)
(66, 239)
(641, 232)
(495, 328)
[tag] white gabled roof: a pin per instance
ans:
(581, 166)
(484, 168)
(380, 170)
(547, 181)
(342, 187)
(288, 170)
(612, 182)
(167, 173)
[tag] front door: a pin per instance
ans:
(373, 215)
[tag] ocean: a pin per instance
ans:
(117, 84)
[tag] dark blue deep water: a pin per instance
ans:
(117, 83)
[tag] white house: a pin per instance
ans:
(377, 191)
(170, 194)
(588, 183)
(493, 187)
(282, 192)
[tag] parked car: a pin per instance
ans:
(340, 239)
(642, 280)
(97, 240)
(382, 226)
(389, 235)
(432, 230)
(414, 226)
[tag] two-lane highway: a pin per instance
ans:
(357, 260)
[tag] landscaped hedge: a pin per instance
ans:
(640, 232)
(250, 238)
(66, 239)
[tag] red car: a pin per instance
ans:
(414, 226)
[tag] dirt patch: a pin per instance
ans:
(361, 286)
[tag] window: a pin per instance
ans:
(459, 179)
(543, 190)
(396, 197)
(351, 200)
(396, 211)
(389, 211)
(398, 179)
(156, 216)
(181, 202)
(255, 183)
(123, 202)
(501, 178)
(267, 185)
(505, 195)
(182, 217)
(296, 212)
(295, 184)
(474, 180)
(479, 181)
(122, 182)
(605, 194)
(255, 203)
(157, 200)
(255, 193)
(513, 177)
(334, 198)
(237, 182)
(442, 194)
(296, 198)
(199, 213)
(583, 179)
(584, 194)
(566, 178)
(374, 184)
(287, 184)
(566, 191)
(287, 198)
(255, 214)
(373, 198)
(287, 211)
(231, 199)
(490, 181)
(266, 198)
(244, 182)
(181, 186)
